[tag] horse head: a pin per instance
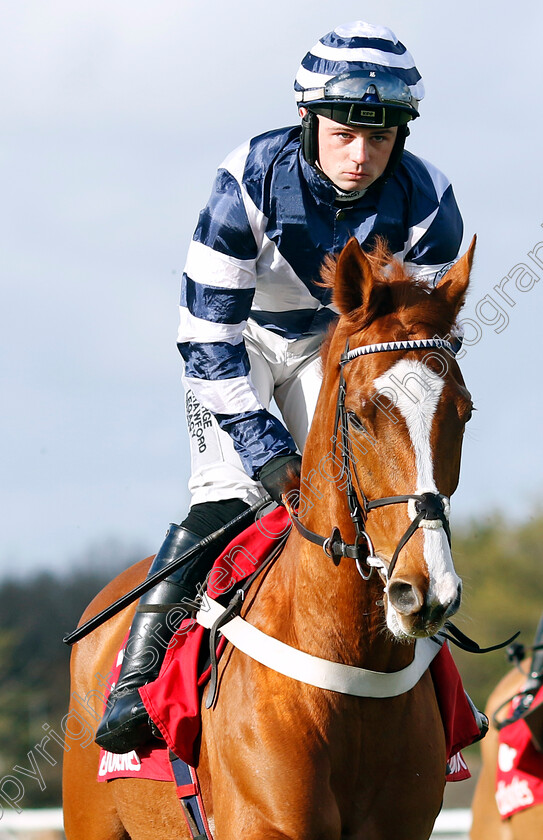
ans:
(402, 406)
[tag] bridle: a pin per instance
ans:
(431, 510)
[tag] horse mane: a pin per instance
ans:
(386, 268)
(389, 273)
(396, 291)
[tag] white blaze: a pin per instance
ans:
(415, 391)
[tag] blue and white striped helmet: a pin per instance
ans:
(360, 74)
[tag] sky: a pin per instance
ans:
(115, 116)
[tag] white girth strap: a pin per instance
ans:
(333, 676)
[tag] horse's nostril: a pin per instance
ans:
(404, 597)
(454, 604)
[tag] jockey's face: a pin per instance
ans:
(353, 158)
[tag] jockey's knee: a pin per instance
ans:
(207, 517)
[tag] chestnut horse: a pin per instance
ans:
(281, 758)
(487, 823)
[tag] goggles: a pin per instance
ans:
(364, 98)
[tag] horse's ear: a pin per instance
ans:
(354, 278)
(454, 285)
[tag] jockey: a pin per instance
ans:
(253, 314)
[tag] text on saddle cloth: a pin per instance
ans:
(148, 762)
(519, 776)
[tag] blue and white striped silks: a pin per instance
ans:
(357, 46)
(257, 253)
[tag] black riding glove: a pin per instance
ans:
(281, 476)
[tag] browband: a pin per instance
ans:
(408, 344)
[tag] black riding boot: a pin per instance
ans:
(125, 724)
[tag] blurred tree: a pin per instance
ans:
(35, 613)
(502, 569)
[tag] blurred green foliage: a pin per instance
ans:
(36, 611)
(502, 569)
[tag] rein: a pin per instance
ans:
(431, 509)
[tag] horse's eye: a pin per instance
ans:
(356, 422)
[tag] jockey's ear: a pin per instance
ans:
(454, 285)
(354, 278)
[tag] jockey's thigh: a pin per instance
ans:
(216, 469)
(296, 372)
(285, 369)
(297, 393)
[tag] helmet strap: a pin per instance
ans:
(310, 137)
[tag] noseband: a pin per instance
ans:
(431, 510)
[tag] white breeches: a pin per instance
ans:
(286, 370)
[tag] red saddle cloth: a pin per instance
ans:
(174, 699)
(519, 777)
(149, 762)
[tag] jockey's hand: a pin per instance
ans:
(281, 476)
